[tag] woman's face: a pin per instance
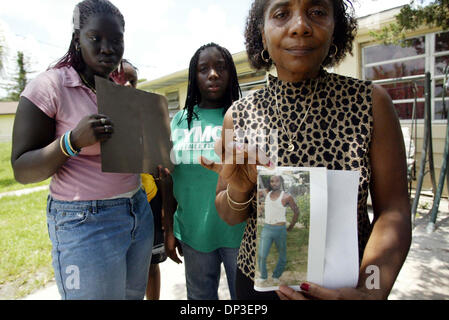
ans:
(101, 43)
(212, 75)
(298, 35)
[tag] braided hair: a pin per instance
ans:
(233, 92)
(81, 13)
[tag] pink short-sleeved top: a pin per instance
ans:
(62, 96)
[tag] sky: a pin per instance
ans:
(160, 35)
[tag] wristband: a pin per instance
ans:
(69, 140)
(62, 147)
(68, 146)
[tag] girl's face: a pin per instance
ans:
(212, 75)
(298, 35)
(275, 183)
(101, 43)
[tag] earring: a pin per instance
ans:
(265, 56)
(332, 56)
(77, 47)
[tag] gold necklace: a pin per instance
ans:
(291, 146)
(87, 83)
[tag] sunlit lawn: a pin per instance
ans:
(7, 182)
(25, 248)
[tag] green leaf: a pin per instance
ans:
(413, 16)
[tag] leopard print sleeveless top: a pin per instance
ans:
(335, 133)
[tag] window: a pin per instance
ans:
(441, 73)
(173, 103)
(251, 81)
(427, 53)
(394, 61)
(442, 42)
(413, 48)
(248, 88)
(396, 69)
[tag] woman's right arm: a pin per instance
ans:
(36, 154)
(227, 213)
(236, 181)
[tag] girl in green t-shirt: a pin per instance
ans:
(193, 226)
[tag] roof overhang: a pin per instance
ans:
(182, 76)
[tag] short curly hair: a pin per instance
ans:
(344, 33)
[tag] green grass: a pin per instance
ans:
(25, 248)
(297, 250)
(7, 181)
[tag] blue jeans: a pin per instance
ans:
(101, 249)
(278, 235)
(203, 271)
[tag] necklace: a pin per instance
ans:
(291, 146)
(87, 83)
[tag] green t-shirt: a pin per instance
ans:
(196, 221)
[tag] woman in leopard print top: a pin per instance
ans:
(323, 120)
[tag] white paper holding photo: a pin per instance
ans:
(341, 266)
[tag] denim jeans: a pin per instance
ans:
(101, 249)
(278, 235)
(203, 271)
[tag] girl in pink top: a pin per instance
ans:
(100, 224)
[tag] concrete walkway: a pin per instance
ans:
(172, 288)
(424, 276)
(22, 191)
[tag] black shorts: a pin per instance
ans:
(158, 254)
